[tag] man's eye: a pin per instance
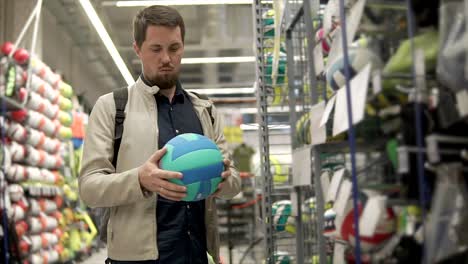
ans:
(156, 50)
(173, 49)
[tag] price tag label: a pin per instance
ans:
(335, 184)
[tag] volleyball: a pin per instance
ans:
(282, 218)
(385, 229)
(200, 161)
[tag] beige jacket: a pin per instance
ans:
(132, 225)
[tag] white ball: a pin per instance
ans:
(36, 242)
(36, 259)
(34, 157)
(34, 207)
(17, 213)
(17, 132)
(35, 225)
(34, 174)
(16, 192)
(17, 151)
(52, 256)
(17, 173)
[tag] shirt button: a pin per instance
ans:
(188, 232)
(188, 206)
(177, 131)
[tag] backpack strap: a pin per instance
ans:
(204, 97)
(120, 99)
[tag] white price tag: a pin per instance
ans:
(318, 133)
(374, 210)
(358, 87)
(354, 19)
(343, 196)
(335, 184)
(318, 59)
(302, 167)
(328, 109)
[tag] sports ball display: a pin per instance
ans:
(199, 160)
(358, 59)
(303, 129)
(384, 230)
(308, 210)
(279, 172)
(282, 257)
(329, 222)
(282, 218)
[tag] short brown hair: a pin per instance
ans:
(157, 16)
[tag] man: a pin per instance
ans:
(148, 221)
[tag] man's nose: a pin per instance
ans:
(165, 57)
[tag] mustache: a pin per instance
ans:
(166, 67)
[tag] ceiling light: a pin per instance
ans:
(211, 60)
(174, 3)
(94, 18)
(240, 90)
(255, 126)
(218, 60)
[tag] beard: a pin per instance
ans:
(164, 81)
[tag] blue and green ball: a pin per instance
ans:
(199, 160)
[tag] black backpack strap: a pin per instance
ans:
(120, 99)
(204, 97)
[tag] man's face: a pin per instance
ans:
(160, 55)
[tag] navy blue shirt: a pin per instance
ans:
(181, 225)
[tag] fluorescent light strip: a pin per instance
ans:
(240, 90)
(178, 2)
(218, 60)
(102, 32)
(255, 126)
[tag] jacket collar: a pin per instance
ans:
(140, 84)
(196, 101)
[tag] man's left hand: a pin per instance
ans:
(225, 175)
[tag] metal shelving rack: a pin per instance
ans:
(274, 131)
(362, 157)
(302, 75)
(298, 32)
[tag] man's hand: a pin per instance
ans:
(153, 179)
(225, 175)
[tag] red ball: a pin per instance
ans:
(24, 247)
(19, 115)
(21, 228)
(7, 47)
(384, 230)
(21, 56)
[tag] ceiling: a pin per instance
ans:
(211, 31)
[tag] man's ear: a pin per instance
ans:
(136, 49)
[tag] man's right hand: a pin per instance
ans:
(154, 179)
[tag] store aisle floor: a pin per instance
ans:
(100, 256)
(97, 258)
